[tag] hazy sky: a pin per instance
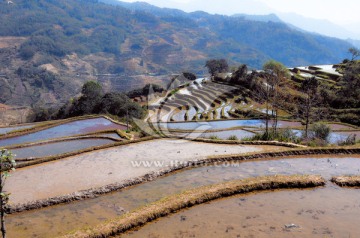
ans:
(341, 12)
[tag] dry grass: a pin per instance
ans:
(339, 150)
(346, 181)
(231, 142)
(11, 41)
(193, 197)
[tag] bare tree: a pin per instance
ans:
(310, 88)
(265, 92)
(355, 52)
(276, 73)
(216, 66)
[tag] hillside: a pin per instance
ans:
(48, 49)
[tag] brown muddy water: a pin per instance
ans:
(335, 126)
(321, 212)
(113, 165)
(56, 220)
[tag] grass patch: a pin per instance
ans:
(193, 197)
(233, 137)
(281, 135)
(350, 140)
(346, 181)
(173, 92)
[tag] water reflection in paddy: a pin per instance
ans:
(58, 148)
(4, 130)
(321, 212)
(68, 129)
(212, 125)
(223, 135)
(60, 219)
(334, 137)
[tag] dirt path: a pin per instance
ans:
(112, 165)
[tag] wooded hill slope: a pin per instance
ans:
(48, 49)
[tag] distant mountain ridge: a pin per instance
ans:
(318, 26)
(263, 18)
(48, 48)
(311, 41)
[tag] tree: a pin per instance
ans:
(264, 91)
(91, 90)
(351, 88)
(119, 104)
(310, 88)
(240, 75)
(216, 66)
(189, 76)
(276, 73)
(355, 52)
(7, 164)
(91, 96)
(145, 91)
(320, 131)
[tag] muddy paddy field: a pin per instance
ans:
(91, 212)
(320, 212)
(111, 177)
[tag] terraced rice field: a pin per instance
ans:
(95, 173)
(205, 99)
(225, 124)
(321, 212)
(68, 129)
(56, 148)
(5, 130)
(43, 222)
(113, 165)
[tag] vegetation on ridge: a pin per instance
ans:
(59, 45)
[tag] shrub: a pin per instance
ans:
(282, 135)
(350, 140)
(233, 137)
(314, 142)
(173, 92)
(287, 135)
(350, 118)
(142, 134)
(189, 76)
(320, 131)
(214, 137)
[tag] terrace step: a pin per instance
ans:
(193, 101)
